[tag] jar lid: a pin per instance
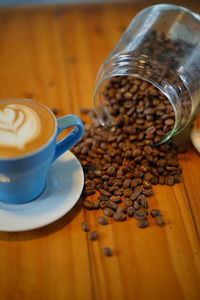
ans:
(195, 133)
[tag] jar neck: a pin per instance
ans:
(140, 66)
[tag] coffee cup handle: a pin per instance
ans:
(72, 138)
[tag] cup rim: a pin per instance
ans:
(32, 153)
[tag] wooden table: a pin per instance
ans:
(52, 55)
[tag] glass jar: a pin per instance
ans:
(161, 46)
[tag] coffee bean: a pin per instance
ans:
(148, 176)
(142, 212)
(88, 204)
(169, 180)
(143, 168)
(177, 179)
(111, 170)
(98, 180)
(138, 174)
(97, 173)
(111, 152)
(134, 196)
(128, 202)
(169, 122)
(85, 150)
(122, 209)
(102, 198)
(116, 199)
(119, 192)
(126, 183)
(105, 185)
(161, 162)
(96, 204)
(173, 162)
(107, 251)
(88, 167)
(140, 198)
(118, 182)
(130, 211)
(149, 111)
(108, 212)
(151, 130)
(103, 204)
(144, 203)
(148, 192)
(161, 180)
(89, 192)
(139, 181)
(155, 212)
(154, 180)
(146, 184)
(154, 172)
(77, 150)
(127, 192)
(111, 204)
(147, 149)
(107, 158)
(134, 183)
(138, 158)
(138, 190)
(136, 205)
(142, 224)
(119, 216)
(125, 169)
(164, 147)
(159, 221)
(104, 192)
(93, 236)
(138, 217)
(102, 220)
(113, 188)
(136, 152)
(170, 168)
(85, 227)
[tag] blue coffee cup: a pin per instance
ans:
(23, 178)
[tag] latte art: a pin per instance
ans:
(25, 126)
(19, 125)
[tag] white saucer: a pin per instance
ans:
(64, 186)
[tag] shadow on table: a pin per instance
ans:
(44, 231)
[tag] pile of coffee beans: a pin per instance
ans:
(121, 163)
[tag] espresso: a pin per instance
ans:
(25, 126)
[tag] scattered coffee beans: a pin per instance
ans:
(159, 221)
(109, 212)
(155, 212)
(121, 163)
(107, 251)
(119, 216)
(85, 227)
(102, 220)
(93, 236)
(130, 211)
(142, 224)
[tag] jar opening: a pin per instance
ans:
(168, 87)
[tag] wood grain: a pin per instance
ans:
(52, 55)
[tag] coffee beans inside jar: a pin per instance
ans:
(140, 108)
(121, 163)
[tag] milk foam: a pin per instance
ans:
(19, 124)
